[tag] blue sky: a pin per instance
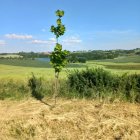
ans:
(90, 24)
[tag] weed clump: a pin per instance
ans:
(12, 89)
(36, 87)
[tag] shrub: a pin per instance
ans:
(36, 87)
(89, 78)
(82, 59)
(102, 83)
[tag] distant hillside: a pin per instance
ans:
(25, 55)
(10, 56)
(101, 55)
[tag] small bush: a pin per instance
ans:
(36, 87)
(82, 59)
(89, 78)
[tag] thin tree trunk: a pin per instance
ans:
(56, 87)
(57, 40)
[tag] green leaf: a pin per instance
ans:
(60, 13)
(59, 21)
(52, 28)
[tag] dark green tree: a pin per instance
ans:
(58, 57)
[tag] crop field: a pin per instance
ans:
(10, 56)
(123, 59)
(23, 68)
(119, 68)
(127, 64)
(16, 68)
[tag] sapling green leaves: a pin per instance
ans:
(59, 30)
(59, 13)
(58, 57)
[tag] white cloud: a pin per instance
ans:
(72, 40)
(52, 40)
(48, 42)
(2, 43)
(39, 42)
(18, 36)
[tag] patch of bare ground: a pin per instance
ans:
(69, 120)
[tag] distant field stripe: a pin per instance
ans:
(123, 67)
(124, 59)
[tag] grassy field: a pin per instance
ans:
(123, 59)
(10, 56)
(23, 68)
(126, 64)
(34, 63)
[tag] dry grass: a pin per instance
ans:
(69, 120)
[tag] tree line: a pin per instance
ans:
(81, 56)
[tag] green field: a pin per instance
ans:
(128, 64)
(15, 68)
(123, 59)
(10, 56)
(34, 63)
